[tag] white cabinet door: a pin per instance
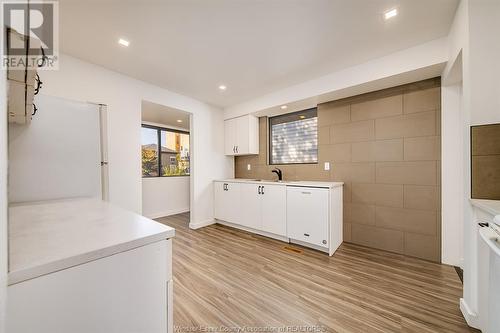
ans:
(307, 215)
(227, 201)
(241, 135)
(232, 202)
(230, 136)
(274, 209)
(220, 200)
(250, 209)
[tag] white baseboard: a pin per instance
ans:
(470, 317)
(201, 224)
(167, 213)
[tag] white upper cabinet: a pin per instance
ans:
(21, 81)
(241, 136)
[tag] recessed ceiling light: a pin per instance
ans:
(123, 42)
(390, 13)
(179, 120)
(283, 107)
(222, 87)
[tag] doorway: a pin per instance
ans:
(165, 160)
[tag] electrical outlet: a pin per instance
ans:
(249, 167)
(327, 166)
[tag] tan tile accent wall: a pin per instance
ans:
(486, 162)
(386, 147)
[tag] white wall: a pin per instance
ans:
(163, 196)
(474, 34)
(79, 80)
(3, 198)
(452, 174)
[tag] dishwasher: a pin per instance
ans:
(307, 215)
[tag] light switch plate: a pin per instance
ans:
(249, 167)
(327, 166)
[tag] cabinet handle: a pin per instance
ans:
(306, 192)
(258, 191)
(307, 235)
(262, 191)
(236, 149)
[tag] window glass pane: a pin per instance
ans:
(294, 138)
(149, 152)
(174, 153)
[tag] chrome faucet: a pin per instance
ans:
(279, 173)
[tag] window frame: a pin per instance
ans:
(158, 139)
(270, 138)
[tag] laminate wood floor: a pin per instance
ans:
(226, 279)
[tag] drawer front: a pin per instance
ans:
(307, 215)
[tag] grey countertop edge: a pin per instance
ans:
(28, 273)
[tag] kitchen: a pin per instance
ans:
(335, 181)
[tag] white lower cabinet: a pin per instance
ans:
(126, 292)
(273, 206)
(227, 201)
(309, 215)
(259, 207)
(250, 210)
(307, 211)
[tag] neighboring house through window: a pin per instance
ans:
(174, 152)
(293, 138)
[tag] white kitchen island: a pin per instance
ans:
(84, 265)
(307, 213)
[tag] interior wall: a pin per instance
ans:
(452, 174)
(164, 196)
(82, 81)
(473, 33)
(385, 147)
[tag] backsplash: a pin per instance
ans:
(485, 160)
(385, 147)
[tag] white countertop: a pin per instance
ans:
(490, 206)
(305, 183)
(50, 236)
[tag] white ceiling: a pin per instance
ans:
(254, 47)
(164, 115)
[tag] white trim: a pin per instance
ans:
(167, 213)
(254, 231)
(471, 317)
(201, 224)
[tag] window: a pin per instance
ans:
(293, 138)
(173, 152)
